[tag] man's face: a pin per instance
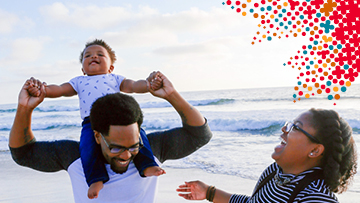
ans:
(119, 137)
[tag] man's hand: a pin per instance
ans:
(165, 90)
(26, 99)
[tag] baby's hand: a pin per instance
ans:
(34, 87)
(156, 84)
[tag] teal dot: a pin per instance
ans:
(286, 27)
(331, 47)
(281, 24)
(251, 10)
(283, 10)
(339, 46)
(302, 17)
(346, 66)
(294, 95)
(269, 8)
(280, 15)
(328, 83)
(305, 52)
(307, 67)
(330, 97)
(307, 29)
(262, 9)
(276, 20)
(309, 47)
(343, 89)
(289, 22)
(269, 38)
(299, 83)
(311, 62)
(316, 42)
(318, 15)
(308, 0)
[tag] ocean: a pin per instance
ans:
(246, 124)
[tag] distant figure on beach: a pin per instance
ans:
(315, 159)
(97, 60)
(116, 120)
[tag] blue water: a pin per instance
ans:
(245, 122)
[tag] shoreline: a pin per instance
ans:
(21, 184)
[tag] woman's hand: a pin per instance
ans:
(194, 190)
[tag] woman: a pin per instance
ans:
(315, 159)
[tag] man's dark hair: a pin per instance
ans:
(114, 109)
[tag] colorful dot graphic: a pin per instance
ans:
(330, 62)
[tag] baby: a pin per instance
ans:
(97, 60)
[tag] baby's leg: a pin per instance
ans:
(94, 189)
(153, 171)
(90, 153)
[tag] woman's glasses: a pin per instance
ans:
(290, 125)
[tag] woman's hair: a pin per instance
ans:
(100, 43)
(339, 157)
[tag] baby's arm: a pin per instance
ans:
(54, 91)
(131, 86)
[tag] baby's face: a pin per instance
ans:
(96, 61)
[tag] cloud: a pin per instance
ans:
(7, 22)
(24, 50)
(92, 16)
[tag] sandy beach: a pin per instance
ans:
(20, 184)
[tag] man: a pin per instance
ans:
(125, 184)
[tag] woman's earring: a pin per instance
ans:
(311, 154)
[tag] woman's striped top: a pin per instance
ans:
(273, 191)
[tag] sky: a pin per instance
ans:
(198, 45)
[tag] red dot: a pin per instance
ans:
(288, 14)
(311, 24)
(304, 3)
(300, 93)
(322, 78)
(303, 33)
(294, 26)
(316, 20)
(307, 80)
(301, 8)
(297, 13)
(321, 31)
(332, 55)
(320, 70)
(322, 86)
(263, 1)
(274, 3)
(311, 53)
(289, 62)
(271, 25)
(334, 81)
(341, 82)
(263, 22)
(317, 36)
(311, 39)
(327, 90)
(228, 2)
(303, 63)
(323, 18)
(334, 42)
(256, 5)
(238, 10)
(313, 80)
(305, 21)
(330, 77)
(301, 74)
(307, 72)
(268, 21)
(319, 61)
(326, 46)
(296, 57)
(304, 47)
(293, 18)
(237, 2)
(285, 19)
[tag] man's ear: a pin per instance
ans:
(97, 136)
(317, 151)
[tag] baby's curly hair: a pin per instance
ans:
(340, 156)
(102, 43)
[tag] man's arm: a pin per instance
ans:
(179, 142)
(43, 156)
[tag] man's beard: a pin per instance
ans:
(120, 170)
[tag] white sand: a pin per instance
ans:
(20, 184)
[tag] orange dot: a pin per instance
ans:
(316, 66)
(248, 1)
(299, 30)
(313, 72)
(337, 96)
(319, 91)
(336, 89)
(319, 47)
(243, 5)
(262, 16)
(309, 88)
(274, 34)
(285, 4)
(316, 85)
(244, 13)
(348, 83)
(264, 36)
(256, 15)
(312, 32)
(279, 7)
(298, 22)
(307, 96)
(272, 16)
(326, 73)
(295, 35)
(304, 85)
(296, 88)
(336, 51)
(328, 60)
(314, 48)
(316, 28)
(333, 64)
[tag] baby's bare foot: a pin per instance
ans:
(154, 171)
(94, 189)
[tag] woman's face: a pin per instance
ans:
(295, 147)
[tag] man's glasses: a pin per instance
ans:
(119, 150)
(289, 126)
